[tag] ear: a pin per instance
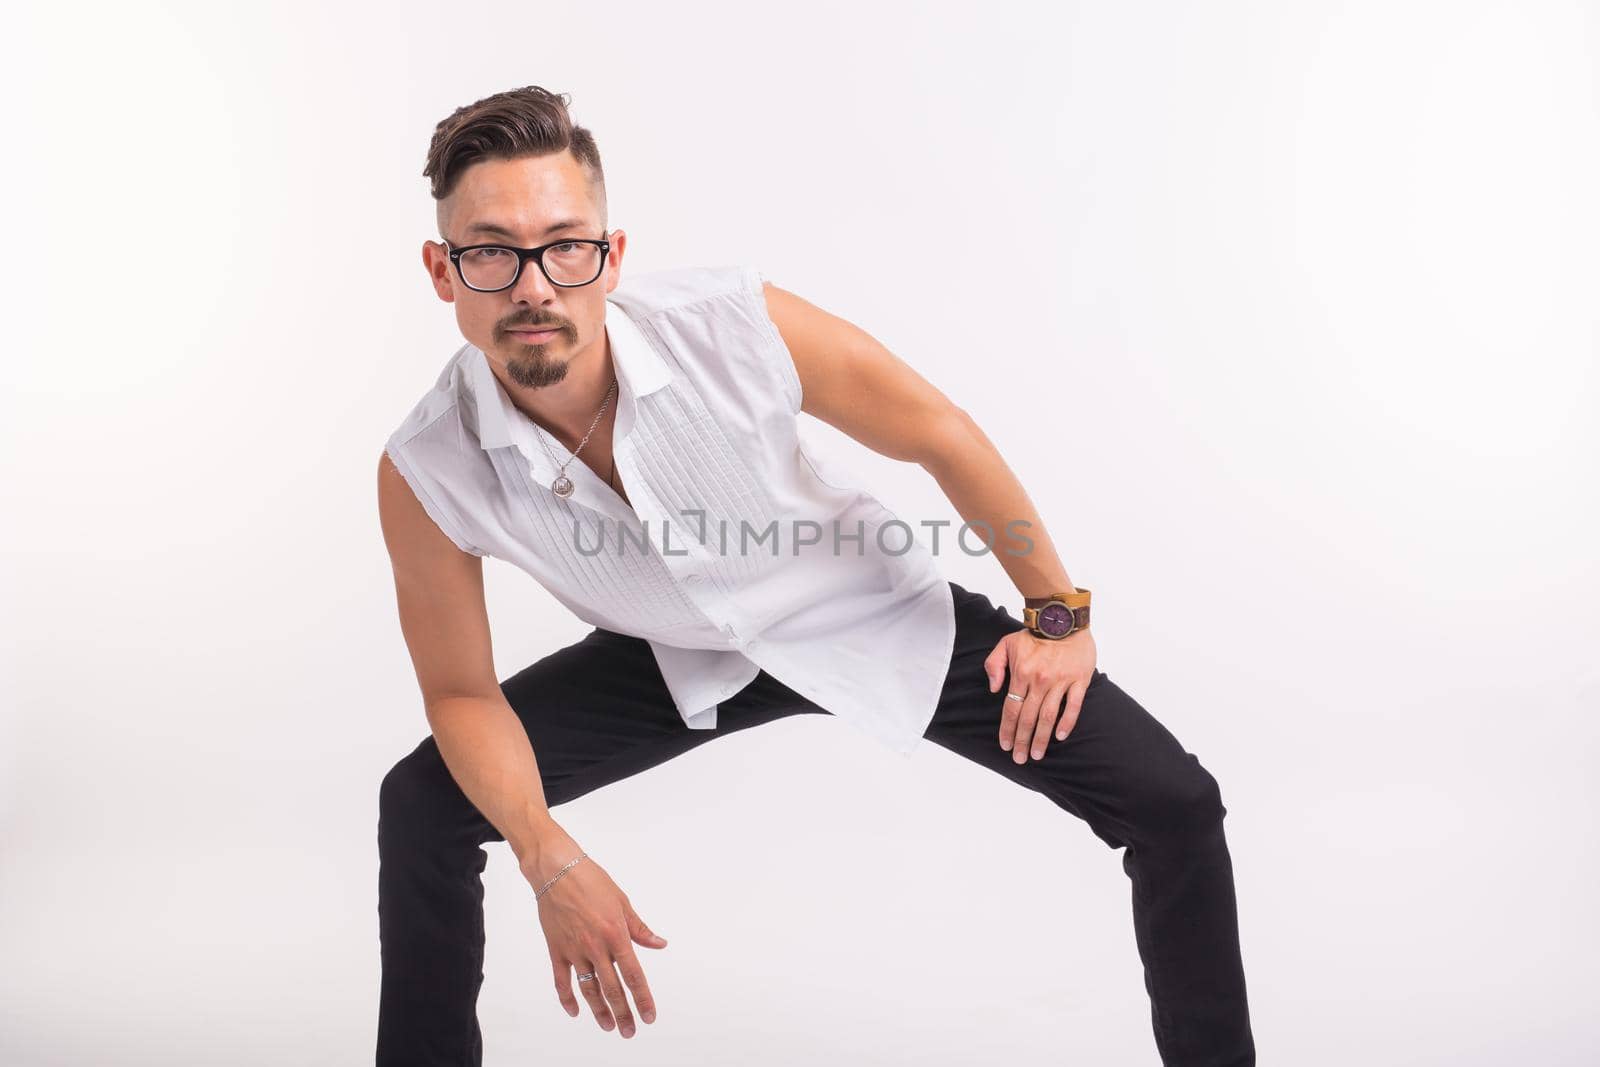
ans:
(436, 261)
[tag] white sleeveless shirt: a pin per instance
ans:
(726, 561)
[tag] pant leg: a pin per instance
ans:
(596, 712)
(1131, 781)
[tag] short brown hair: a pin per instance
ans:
(530, 121)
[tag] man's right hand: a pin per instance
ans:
(590, 925)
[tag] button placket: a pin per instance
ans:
(697, 585)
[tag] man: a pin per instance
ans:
(584, 408)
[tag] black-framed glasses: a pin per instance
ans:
(569, 263)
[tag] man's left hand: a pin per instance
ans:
(1043, 672)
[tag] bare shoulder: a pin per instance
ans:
(853, 382)
(439, 595)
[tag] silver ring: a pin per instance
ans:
(1012, 696)
(586, 977)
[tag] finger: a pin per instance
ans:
(1026, 719)
(639, 931)
(590, 988)
(1010, 707)
(616, 997)
(563, 971)
(632, 973)
(633, 978)
(1069, 718)
(1049, 711)
(995, 667)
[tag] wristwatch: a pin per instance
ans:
(1061, 614)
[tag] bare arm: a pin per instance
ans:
(849, 380)
(439, 590)
(852, 382)
(588, 921)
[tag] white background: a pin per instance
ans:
(1286, 321)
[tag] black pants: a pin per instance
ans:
(598, 711)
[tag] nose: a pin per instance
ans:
(531, 287)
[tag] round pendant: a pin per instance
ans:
(562, 486)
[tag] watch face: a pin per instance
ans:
(1055, 619)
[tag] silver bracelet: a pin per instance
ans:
(565, 868)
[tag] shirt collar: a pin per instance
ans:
(640, 371)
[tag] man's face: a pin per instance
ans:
(525, 203)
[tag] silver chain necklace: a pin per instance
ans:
(563, 486)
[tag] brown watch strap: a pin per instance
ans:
(1073, 599)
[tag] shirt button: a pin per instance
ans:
(693, 579)
(750, 646)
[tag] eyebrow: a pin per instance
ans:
(491, 229)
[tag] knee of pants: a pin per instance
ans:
(1185, 804)
(410, 800)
